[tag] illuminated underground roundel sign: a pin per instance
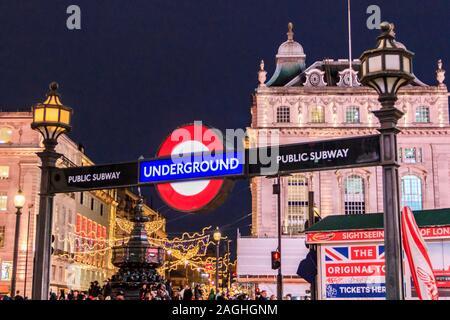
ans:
(195, 195)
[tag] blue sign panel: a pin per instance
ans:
(356, 290)
(194, 166)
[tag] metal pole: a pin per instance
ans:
(16, 253)
(279, 275)
(228, 267)
(27, 253)
(41, 266)
(310, 224)
(388, 116)
(217, 266)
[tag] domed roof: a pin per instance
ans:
(290, 48)
(290, 61)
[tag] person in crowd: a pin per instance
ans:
(212, 295)
(273, 297)
(161, 292)
(18, 296)
(143, 291)
(220, 296)
(62, 295)
(120, 296)
(187, 294)
(148, 296)
(198, 292)
(53, 296)
(263, 295)
(107, 290)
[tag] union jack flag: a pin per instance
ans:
(380, 252)
(342, 253)
(336, 254)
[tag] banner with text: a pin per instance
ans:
(311, 156)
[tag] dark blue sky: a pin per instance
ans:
(139, 68)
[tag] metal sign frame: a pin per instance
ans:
(129, 172)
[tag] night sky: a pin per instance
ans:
(139, 68)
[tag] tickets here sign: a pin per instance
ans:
(353, 271)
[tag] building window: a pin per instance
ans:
(411, 155)
(352, 115)
(283, 114)
(92, 203)
(4, 172)
(297, 205)
(423, 114)
(6, 271)
(81, 197)
(317, 115)
(53, 274)
(354, 202)
(3, 201)
(5, 135)
(2, 236)
(412, 192)
(101, 209)
(61, 274)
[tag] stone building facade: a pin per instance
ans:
(84, 223)
(325, 101)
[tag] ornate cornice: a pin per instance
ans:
(348, 131)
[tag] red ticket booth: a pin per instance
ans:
(350, 254)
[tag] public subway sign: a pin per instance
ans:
(93, 177)
(353, 271)
(205, 165)
(311, 156)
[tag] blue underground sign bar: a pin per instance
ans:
(194, 166)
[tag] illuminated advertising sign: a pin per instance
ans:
(194, 166)
(195, 195)
(353, 272)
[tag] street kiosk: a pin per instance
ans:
(350, 255)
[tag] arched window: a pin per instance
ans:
(354, 197)
(412, 192)
(297, 204)
(317, 114)
(352, 114)
(5, 135)
(283, 114)
(422, 114)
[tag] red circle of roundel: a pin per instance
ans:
(195, 202)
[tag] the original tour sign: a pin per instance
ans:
(353, 271)
(197, 195)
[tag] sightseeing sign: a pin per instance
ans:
(194, 171)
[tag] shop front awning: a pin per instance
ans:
(366, 227)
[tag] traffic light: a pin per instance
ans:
(276, 260)
(53, 242)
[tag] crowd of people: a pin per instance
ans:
(157, 291)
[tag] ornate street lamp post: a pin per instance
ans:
(216, 236)
(19, 201)
(386, 69)
(51, 118)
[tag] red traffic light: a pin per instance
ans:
(276, 260)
